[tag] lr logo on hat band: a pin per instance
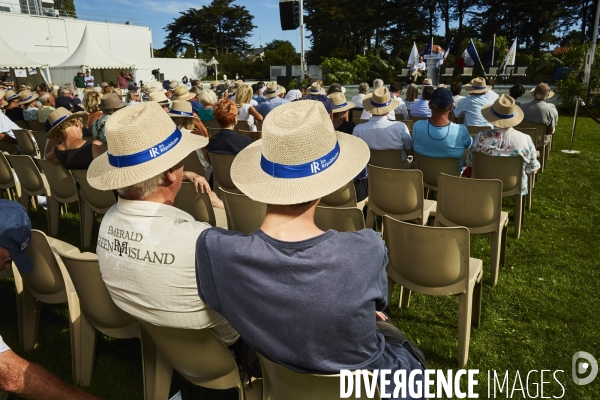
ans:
(143, 156)
(582, 367)
(303, 170)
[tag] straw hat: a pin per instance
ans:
(300, 157)
(111, 101)
(173, 84)
(504, 113)
(213, 85)
(550, 93)
(272, 90)
(380, 102)
(10, 95)
(477, 85)
(181, 109)
(142, 142)
(315, 89)
(59, 116)
(427, 82)
(159, 97)
(26, 97)
(182, 94)
(2, 93)
(339, 102)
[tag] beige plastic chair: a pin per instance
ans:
(360, 121)
(26, 145)
(387, 159)
(533, 134)
(36, 126)
(461, 120)
(7, 180)
(474, 130)
(22, 124)
(192, 163)
(507, 72)
(212, 131)
(91, 202)
(211, 123)
(356, 114)
(415, 119)
(467, 72)
(539, 142)
(62, 186)
(431, 167)
(436, 262)
(520, 72)
(243, 125)
(399, 194)
(243, 214)
(492, 71)
(221, 164)
(48, 282)
(508, 170)
(254, 135)
(449, 72)
(198, 205)
(281, 383)
(408, 122)
(8, 147)
(341, 219)
(343, 197)
(40, 138)
(477, 205)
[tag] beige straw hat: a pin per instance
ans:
(2, 93)
(339, 103)
(26, 97)
(159, 97)
(315, 90)
(142, 142)
(59, 116)
(111, 101)
(300, 157)
(173, 84)
(181, 108)
(213, 85)
(272, 90)
(477, 85)
(10, 95)
(182, 94)
(504, 113)
(550, 93)
(427, 82)
(380, 102)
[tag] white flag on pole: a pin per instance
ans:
(414, 56)
(511, 56)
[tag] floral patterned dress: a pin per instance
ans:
(507, 142)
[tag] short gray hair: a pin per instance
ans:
(143, 190)
(63, 91)
(377, 83)
(45, 98)
(541, 91)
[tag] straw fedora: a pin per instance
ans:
(380, 102)
(173, 84)
(111, 101)
(477, 85)
(10, 95)
(550, 93)
(427, 82)
(315, 90)
(142, 142)
(182, 94)
(160, 98)
(339, 102)
(26, 97)
(181, 109)
(272, 90)
(504, 113)
(300, 157)
(213, 85)
(58, 117)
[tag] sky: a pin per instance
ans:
(156, 14)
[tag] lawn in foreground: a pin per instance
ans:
(543, 310)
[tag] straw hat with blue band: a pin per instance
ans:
(143, 142)
(26, 97)
(504, 113)
(181, 109)
(58, 117)
(339, 102)
(300, 157)
(380, 102)
(315, 90)
(272, 90)
(10, 95)
(477, 85)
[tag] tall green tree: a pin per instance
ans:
(68, 6)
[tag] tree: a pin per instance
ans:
(165, 52)
(67, 6)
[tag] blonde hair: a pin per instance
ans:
(412, 92)
(108, 89)
(207, 98)
(363, 88)
(144, 189)
(91, 101)
(243, 95)
(184, 123)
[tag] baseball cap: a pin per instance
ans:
(222, 88)
(166, 85)
(441, 98)
(15, 234)
(256, 87)
(132, 87)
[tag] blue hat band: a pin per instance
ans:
(29, 98)
(381, 104)
(479, 87)
(58, 121)
(14, 96)
(273, 91)
(182, 113)
(341, 105)
(143, 156)
(502, 116)
(303, 170)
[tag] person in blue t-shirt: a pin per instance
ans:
(437, 137)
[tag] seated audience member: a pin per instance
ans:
(19, 376)
(222, 92)
(47, 101)
(133, 96)
(456, 89)
(109, 104)
(27, 100)
(227, 141)
(154, 278)
(161, 98)
(363, 90)
(471, 105)
(539, 111)
(66, 145)
(207, 99)
(290, 257)
(333, 88)
(91, 105)
(377, 83)
(6, 127)
(503, 140)
(420, 107)
(412, 94)
(283, 92)
(517, 90)
(340, 108)
(246, 111)
(437, 137)
(379, 132)
(491, 94)
(272, 98)
(257, 91)
(296, 94)
(13, 110)
(196, 106)
(396, 91)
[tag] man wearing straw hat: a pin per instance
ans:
(539, 111)
(146, 247)
(471, 105)
(271, 94)
(109, 104)
(285, 287)
(7, 125)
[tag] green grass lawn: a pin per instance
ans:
(543, 310)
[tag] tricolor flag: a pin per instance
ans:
(429, 47)
(470, 55)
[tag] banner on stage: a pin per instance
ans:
(21, 73)
(434, 56)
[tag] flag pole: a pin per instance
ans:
(478, 57)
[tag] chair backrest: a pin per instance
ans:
(474, 130)
(541, 131)
(360, 121)
(507, 169)
(7, 178)
(254, 135)
(8, 147)
(197, 354)
(36, 126)
(356, 114)
(243, 214)
(468, 71)
(431, 167)
(387, 159)
(343, 197)
(61, 182)
(212, 131)
(45, 278)
(405, 71)
(22, 124)
(40, 138)
(198, 205)
(241, 125)
(221, 164)
(408, 122)
(98, 200)
(347, 219)
(27, 172)
(509, 69)
(396, 192)
(521, 71)
(93, 296)
(461, 119)
(211, 123)
(493, 71)
(449, 71)
(415, 119)
(280, 383)
(428, 257)
(192, 163)
(26, 145)
(533, 134)
(473, 203)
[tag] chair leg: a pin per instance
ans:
(87, 350)
(476, 311)
(518, 215)
(404, 297)
(88, 226)
(464, 327)
(156, 370)
(53, 209)
(25, 200)
(496, 255)
(503, 248)
(391, 284)
(28, 310)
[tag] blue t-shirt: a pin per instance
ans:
(448, 141)
(196, 107)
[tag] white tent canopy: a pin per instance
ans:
(11, 59)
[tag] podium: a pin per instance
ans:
(434, 62)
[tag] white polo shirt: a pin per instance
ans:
(147, 252)
(382, 134)
(3, 346)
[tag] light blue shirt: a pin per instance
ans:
(448, 141)
(470, 106)
(420, 108)
(269, 104)
(382, 134)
